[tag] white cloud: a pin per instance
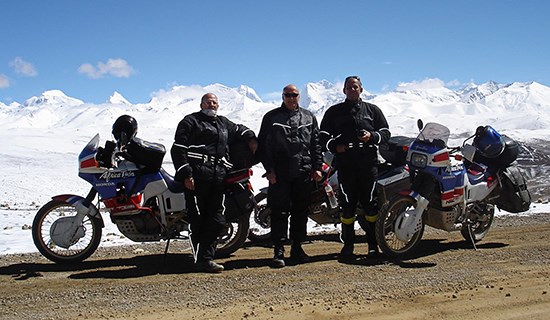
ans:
(4, 81)
(271, 96)
(117, 68)
(419, 85)
(454, 83)
(23, 67)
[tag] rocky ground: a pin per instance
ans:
(507, 277)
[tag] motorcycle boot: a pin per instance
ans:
(348, 237)
(278, 257)
(297, 253)
(208, 266)
(371, 238)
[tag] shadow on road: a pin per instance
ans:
(181, 263)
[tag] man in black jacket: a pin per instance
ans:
(200, 154)
(291, 155)
(352, 130)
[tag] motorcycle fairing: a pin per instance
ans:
(449, 175)
(86, 159)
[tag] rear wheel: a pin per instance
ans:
(385, 228)
(481, 219)
(233, 236)
(81, 249)
(260, 222)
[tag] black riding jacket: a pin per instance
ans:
(343, 124)
(288, 142)
(200, 148)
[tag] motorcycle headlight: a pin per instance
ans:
(419, 160)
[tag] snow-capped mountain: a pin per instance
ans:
(117, 98)
(53, 98)
(511, 108)
(473, 93)
(249, 93)
(486, 103)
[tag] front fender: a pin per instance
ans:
(68, 198)
(92, 211)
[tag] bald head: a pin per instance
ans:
(291, 96)
(209, 104)
(208, 96)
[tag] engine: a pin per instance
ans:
(142, 226)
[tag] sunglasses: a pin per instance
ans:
(291, 95)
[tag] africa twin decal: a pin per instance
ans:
(117, 175)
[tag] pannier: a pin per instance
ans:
(514, 195)
(238, 202)
(391, 183)
(147, 154)
(395, 151)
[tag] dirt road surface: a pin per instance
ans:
(507, 277)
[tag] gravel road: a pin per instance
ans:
(507, 277)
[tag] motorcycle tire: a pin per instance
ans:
(260, 226)
(77, 252)
(232, 237)
(387, 240)
(478, 228)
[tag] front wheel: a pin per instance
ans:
(385, 228)
(84, 247)
(233, 236)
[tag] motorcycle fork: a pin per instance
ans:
(85, 208)
(411, 222)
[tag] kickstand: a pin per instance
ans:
(471, 236)
(166, 249)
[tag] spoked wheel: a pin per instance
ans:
(232, 237)
(260, 224)
(481, 219)
(385, 228)
(82, 248)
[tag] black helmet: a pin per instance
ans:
(124, 129)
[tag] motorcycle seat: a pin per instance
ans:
(476, 172)
(173, 185)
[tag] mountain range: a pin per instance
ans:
(510, 108)
(43, 135)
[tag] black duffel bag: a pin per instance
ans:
(148, 155)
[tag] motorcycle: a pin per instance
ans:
(144, 201)
(452, 189)
(323, 207)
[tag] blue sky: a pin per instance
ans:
(89, 49)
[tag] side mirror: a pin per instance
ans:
(420, 124)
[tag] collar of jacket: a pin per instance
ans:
(353, 105)
(283, 106)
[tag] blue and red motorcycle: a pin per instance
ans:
(452, 188)
(143, 200)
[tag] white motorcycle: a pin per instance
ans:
(452, 189)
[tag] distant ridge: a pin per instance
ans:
(509, 107)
